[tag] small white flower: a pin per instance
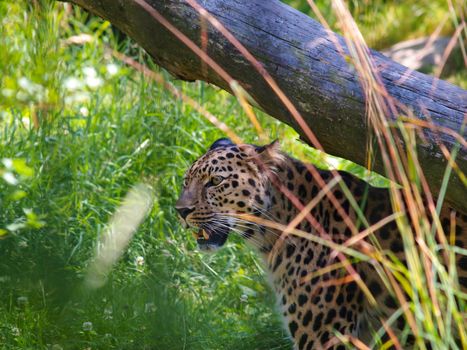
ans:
(7, 162)
(22, 96)
(26, 122)
(108, 313)
(8, 92)
(93, 82)
(244, 298)
(24, 83)
(84, 111)
(87, 326)
(112, 69)
(5, 279)
(22, 301)
(139, 261)
(72, 83)
(89, 72)
(15, 331)
(77, 97)
(149, 307)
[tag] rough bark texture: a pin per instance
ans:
(301, 57)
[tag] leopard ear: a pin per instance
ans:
(224, 142)
(273, 146)
(270, 155)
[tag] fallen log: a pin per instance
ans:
(303, 59)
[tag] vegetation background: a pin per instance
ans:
(78, 129)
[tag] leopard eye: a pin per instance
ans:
(215, 180)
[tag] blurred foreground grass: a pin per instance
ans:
(104, 128)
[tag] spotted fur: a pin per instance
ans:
(269, 185)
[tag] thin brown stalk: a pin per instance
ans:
(447, 52)
(303, 213)
(440, 129)
(420, 53)
(392, 335)
(373, 228)
(402, 302)
(185, 40)
(324, 270)
(348, 339)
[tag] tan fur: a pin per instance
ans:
(314, 305)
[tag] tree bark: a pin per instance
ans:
(300, 55)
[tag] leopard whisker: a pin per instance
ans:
(261, 227)
(266, 213)
(254, 241)
(240, 221)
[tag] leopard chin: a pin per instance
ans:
(210, 240)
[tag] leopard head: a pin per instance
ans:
(226, 181)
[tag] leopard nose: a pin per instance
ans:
(184, 212)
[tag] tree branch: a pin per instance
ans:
(302, 58)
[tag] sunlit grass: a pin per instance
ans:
(90, 128)
(385, 23)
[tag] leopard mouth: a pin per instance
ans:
(211, 238)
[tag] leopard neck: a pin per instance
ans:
(291, 186)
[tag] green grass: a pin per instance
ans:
(103, 129)
(385, 23)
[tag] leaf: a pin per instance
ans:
(22, 168)
(32, 219)
(36, 224)
(17, 195)
(16, 226)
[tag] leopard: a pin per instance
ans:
(297, 216)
